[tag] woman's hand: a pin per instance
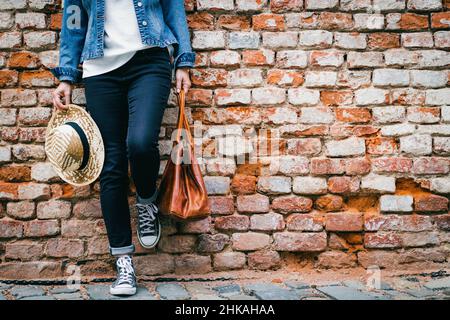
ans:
(64, 90)
(183, 80)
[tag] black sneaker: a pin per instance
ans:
(149, 227)
(125, 284)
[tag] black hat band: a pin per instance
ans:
(84, 142)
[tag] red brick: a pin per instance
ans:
(230, 22)
(344, 221)
(357, 166)
(10, 229)
(325, 166)
(336, 260)
(430, 203)
(201, 21)
(354, 115)
(200, 97)
(381, 146)
(304, 241)
(383, 41)
(256, 203)
(23, 60)
(243, 184)
(267, 21)
(233, 222)
(285, 5)
(15, 173)
(258, 57)
(291, 204)
(250, 241)
(305, 222)
(382, 240)
(221, 205)
(329, 202)
(335, 21)
(285, 77)
(31, 270)
(431, 166)
(264, 260)
(177, 243)
(24, 250)
(439, 20)
(392, 165)
(209, 77)
(192, 264)
(41, 228)
(336, 98)
(343, 184)
(59, 248)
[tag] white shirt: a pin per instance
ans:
(122, 38)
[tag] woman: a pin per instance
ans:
(129, 49)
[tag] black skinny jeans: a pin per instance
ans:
(127, 105)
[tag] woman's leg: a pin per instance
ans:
(107, 103)
(148, 93)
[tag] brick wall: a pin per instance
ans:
(352, 95)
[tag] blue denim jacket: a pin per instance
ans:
(161, 23)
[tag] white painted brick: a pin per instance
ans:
(243, 40)
(302, 96)
(417, 40)
(445, 113)
(388, 114)
(378, 183)
(425, 5)
(320, 4)
(208, 40)
(292, 59)
(371, 96)
(365, 21)
(212, 5)
(440, 185)
(309, 185)
(350, 40)
(388, 5)
(391, 77)
(364, 59)
(442, 39)
(401, 57)
(417, 145)
(437, 96)
(245, 77)
(315, 38)
(347, 147)
(398, 130)
(287, 39)
(394, 203)
(316, 115)
(428, 78)
(270, 95)
(320, 78)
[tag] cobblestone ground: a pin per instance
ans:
(408, 287)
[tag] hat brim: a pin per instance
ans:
(96, 159)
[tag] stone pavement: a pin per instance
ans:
(398, 288)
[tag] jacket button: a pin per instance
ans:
(139, 4)
(144, 23)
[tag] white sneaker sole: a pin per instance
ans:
(122, 291)
(146, 246)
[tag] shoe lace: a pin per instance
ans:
(125, 269)
(147, 216)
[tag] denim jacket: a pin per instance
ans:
(161, 23)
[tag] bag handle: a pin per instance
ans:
(182, 122)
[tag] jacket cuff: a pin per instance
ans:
(67, 74)
(186, 59)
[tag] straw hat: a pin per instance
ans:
(74, 145)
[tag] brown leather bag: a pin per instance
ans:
(182, 194)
